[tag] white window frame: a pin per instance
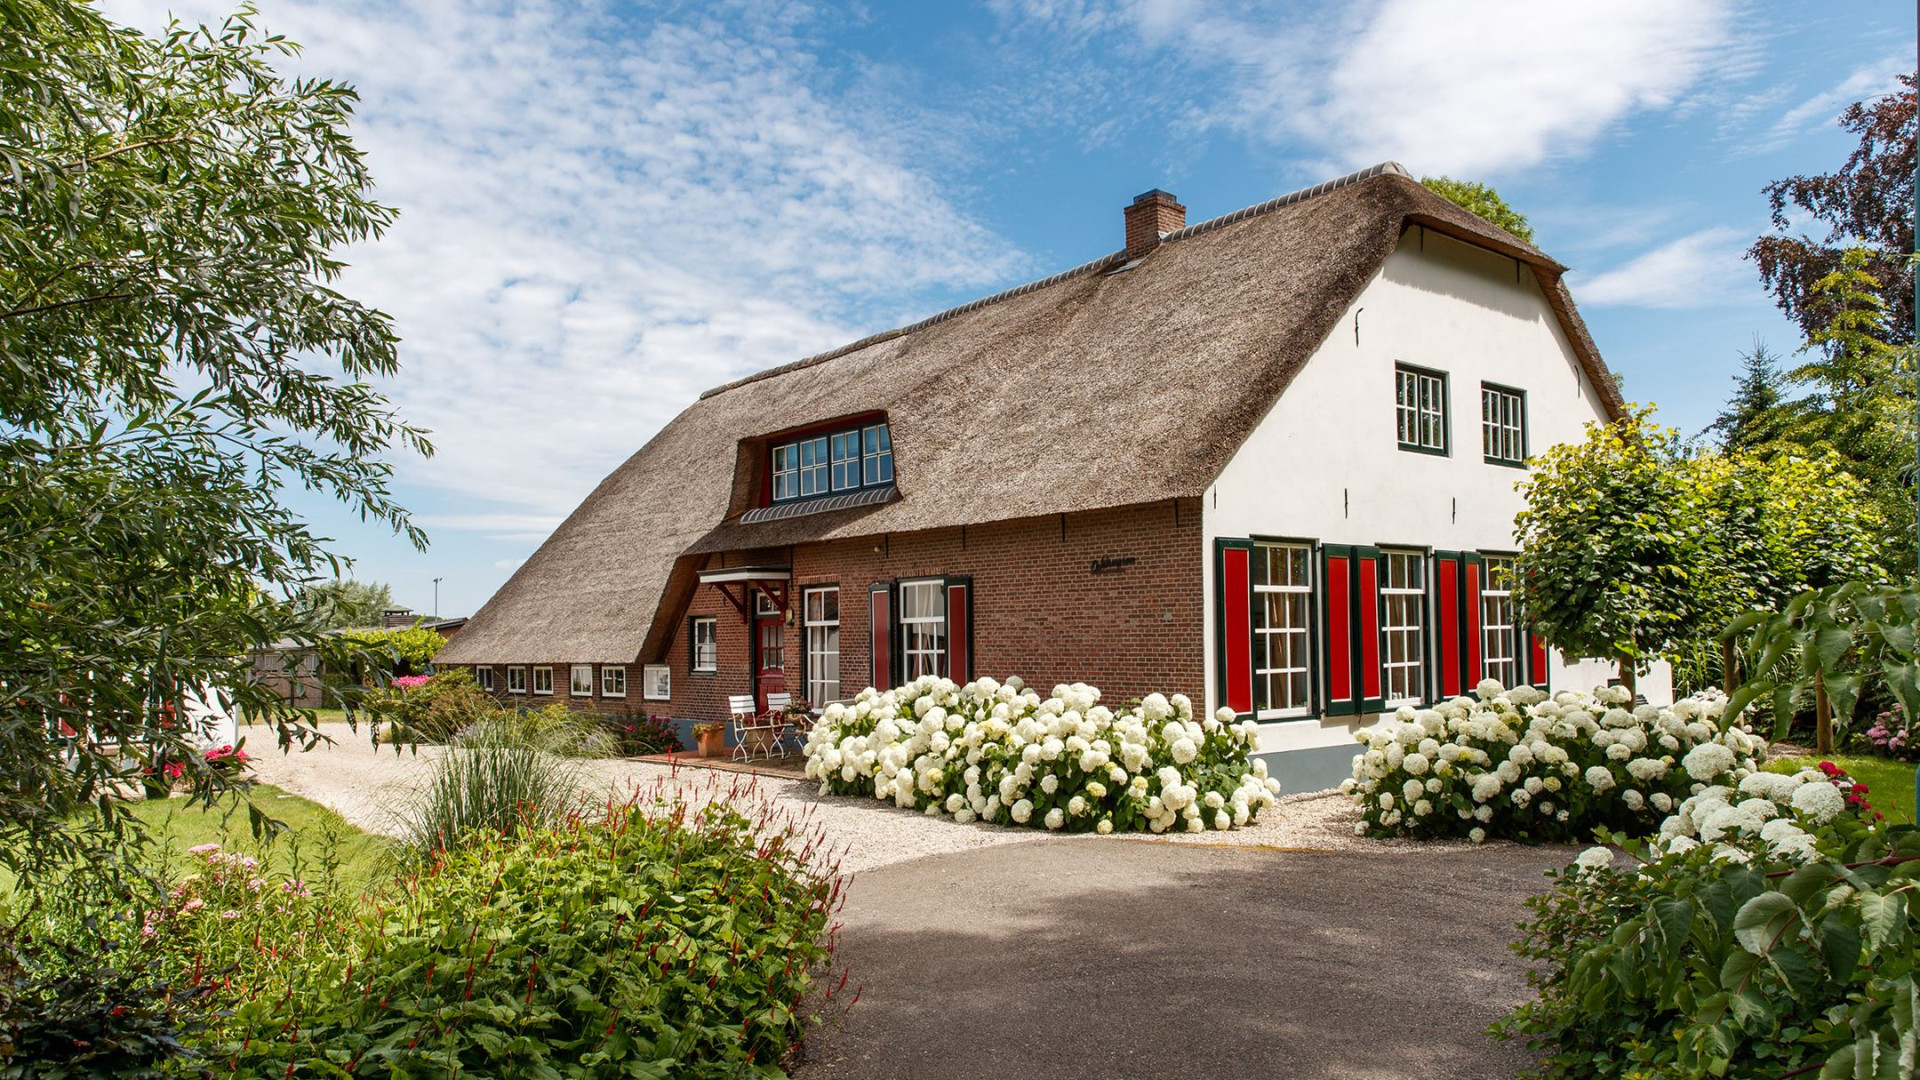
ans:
(1403, 619)
(876, 465)
(786, 472)
(578, 686)
(1296, 642)
(918, 658)
(483, 677)
(548, 672)
(516, 679)
(1420, 406)
(1499, 629)
(1503, 424)
(712, 644)
(817, 636)
(613, 680)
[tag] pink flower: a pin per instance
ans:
(408, 682)
(194, 904)
(229, 914)
(203, 849)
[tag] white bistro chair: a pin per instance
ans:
(776, 720)
(746, 722)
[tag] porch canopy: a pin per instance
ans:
(737, 584)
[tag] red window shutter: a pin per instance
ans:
(1336, 578)
(1235, 579)
(1476, 663)
(960, 629)
(1446, 571)
(880, 613)
(1367, 615)
(1538, 658)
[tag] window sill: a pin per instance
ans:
(1505, 464)
(1428, 450)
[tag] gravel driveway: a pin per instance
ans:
(366, 787)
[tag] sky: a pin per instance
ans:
(606, 208)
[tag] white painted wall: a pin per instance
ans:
(1325, 464)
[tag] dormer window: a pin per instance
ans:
(832, 462)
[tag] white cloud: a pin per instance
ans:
(1868, 81)
(1702, 269)
(603, 214)
(1477, 89)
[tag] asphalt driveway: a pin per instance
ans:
(1103, 957)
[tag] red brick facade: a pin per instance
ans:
(1039, 609)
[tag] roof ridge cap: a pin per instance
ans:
(1385, 168)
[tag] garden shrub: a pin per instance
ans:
(1768, 933)
(429, 709)
(72, 1008)
(648, 943)
(1518, 764)
(638, 734)
(1000, 752)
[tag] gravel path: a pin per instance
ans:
(368, 787)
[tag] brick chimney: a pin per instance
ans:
(1152, 214)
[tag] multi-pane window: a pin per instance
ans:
(543, 680)
(1282, 629)
(786, 472)
(1499, 641)
(846, 460)
(516, 680)
(1403, 626)
(877, 454)
(613, 680)
(1503, 424)
(839, 461)
(483, 677)
(923, 628)
(1420, 399)
(823, 645)
(813, 467)
(581, 684)
(705, 635)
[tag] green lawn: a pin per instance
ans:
(1889, 783)
(312, 832)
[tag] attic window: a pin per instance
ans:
(835, 462)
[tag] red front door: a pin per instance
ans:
(769, 657)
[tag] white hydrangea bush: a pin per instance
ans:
(1521, 765)
(1771, 815)
(999, 752)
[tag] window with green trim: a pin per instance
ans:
(1282, 630)
(1499, 636)
(1420, 400)
(1403, 627)
(1503, 424)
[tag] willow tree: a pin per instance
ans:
(174, 357)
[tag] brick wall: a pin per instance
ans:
(1039, 611)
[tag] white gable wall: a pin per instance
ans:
(1325, 464)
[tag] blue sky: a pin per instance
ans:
(608, 208)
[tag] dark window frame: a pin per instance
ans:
(1492, 389)
(866, 463)
(1419, 446)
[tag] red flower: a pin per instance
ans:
(1830, 768)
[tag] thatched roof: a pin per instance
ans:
(1109, 385)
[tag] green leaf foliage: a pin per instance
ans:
(173, 356)
(1480, 199)
(1851, 638)
(1728, 960)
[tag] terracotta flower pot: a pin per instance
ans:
(712, 743)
